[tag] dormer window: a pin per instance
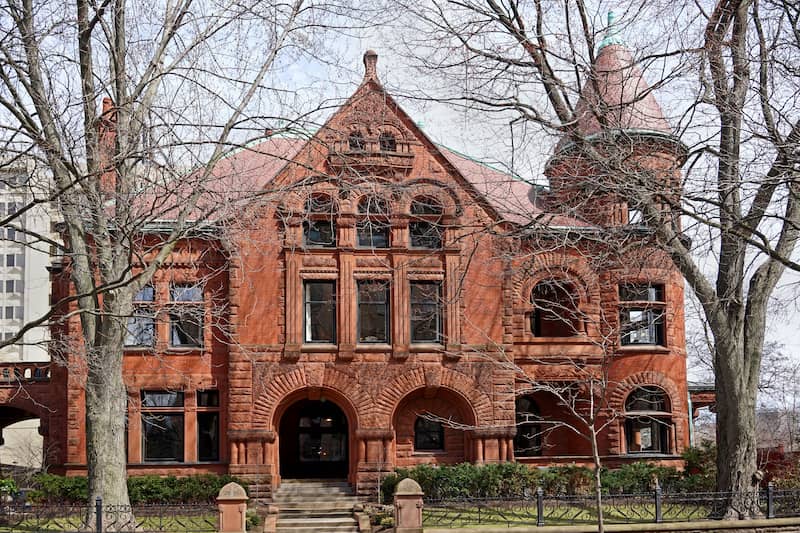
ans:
(356, 142)
(373, 226)
(319, 229)
(424, 228)
(387, 142)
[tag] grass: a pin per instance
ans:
(76, 522)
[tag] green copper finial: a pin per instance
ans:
(612, 32)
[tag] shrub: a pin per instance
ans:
(640, 477)
(141, 489)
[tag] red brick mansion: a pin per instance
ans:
(398, 303)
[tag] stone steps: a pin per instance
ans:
(319, 506)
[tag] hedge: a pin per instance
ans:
(49, 488)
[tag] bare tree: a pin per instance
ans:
(182, 83)
(725, 71)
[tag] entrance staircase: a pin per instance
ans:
(315, 506)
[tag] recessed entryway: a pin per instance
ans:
(314, 440)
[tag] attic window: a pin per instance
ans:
(356, 142)
(388, 142)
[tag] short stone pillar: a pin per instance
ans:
(232, 504)
(408, 507)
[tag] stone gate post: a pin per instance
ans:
(232, 504)
(408, 507)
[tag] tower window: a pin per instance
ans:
(648, 421)
(642, 311)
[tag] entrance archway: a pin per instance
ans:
(314, 440)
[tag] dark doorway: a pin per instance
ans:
(313, 440)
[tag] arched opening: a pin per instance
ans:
(387, 142)
(21, 444)
(314, 440)
(648, 421)
(432, 426)
(555, 309)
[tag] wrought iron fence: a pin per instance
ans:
(538, 508)
(193, 518)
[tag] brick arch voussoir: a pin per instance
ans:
(553, 264)
(620, 393)
(291, 382)
(408, 382)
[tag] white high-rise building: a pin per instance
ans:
(24, 257)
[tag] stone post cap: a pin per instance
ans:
(232, 492)
(408, 487)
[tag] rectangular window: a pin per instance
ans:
(186, 316)
(642, 310)
(9, 285)
(425, 234)
(208, 425)
(142, 326)
(319, 233)
(162, 426)
(373, 311)
(19, 312)
(426, 311)
(320, 311)
(11, 260)
(372, 234)
(9, 312)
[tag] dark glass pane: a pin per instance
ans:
(208, 436)
(319, 233)
(425, 312)
(148, 294)
(208, 398)
(528, 440)
(425, 206)
(641, 293)
(425, 235)
(647, 399)
(555, 310)
(373, 235)
(141, 329)
(373, 312)
(186, 327)
(642, 326)
(428, 435)
(162, 399)
(320, 204)
(373, 205)
(647, 435)
(320, 311)
(186, 293)
(163, 437)
(356, 142)
(388, 142)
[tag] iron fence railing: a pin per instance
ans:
(538, 508)
(191, 518)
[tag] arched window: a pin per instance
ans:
(424, 228)
(387, 142)
(319, 229)
(428, 435)
(356, 142)
(373, 224)
(555, 309)
(528, 441)
(648, 421)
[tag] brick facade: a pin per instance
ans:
(257, 349)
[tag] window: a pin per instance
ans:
(320, 228)
(373, 311)
(428, 435)
(12, 312)
(142, 326)
(424, 228)
(387, 142)
(648, 421)
(635, 217)
(528, 440)
(373, 227)
(208, 425)
(15, 260)
(642, 309)
(356, 142)
(15, 286)
(186, 316)
(426, 311)
(555, 309)
(162, 426)
(320, 311)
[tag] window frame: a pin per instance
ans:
(387, 142)
(320, 211)
(360, 307)
(174, 412)
(434, 425)
(652, 308)
(538, 315)
(658, 421)
(426, 212)
(372, 220)
(439, 315)
(181, 309)
(307, 303)
(144, 313)
(203, 411)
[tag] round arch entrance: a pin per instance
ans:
(314, 440)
